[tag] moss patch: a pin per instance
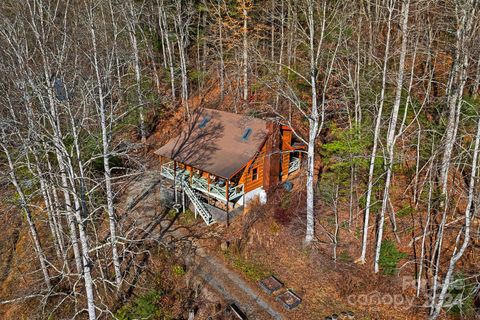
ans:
(389, 257)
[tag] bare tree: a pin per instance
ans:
(465, 13)
(391, 135)
(182, 20)
(463, 237)
(378, 121)
(106, 150)
(28, 215)
(132, 23)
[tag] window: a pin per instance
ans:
(254, 174)
(204, 122)
(246, 134)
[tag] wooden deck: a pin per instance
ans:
(201, 184)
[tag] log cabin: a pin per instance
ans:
(225, 159)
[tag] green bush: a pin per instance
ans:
(188, 217)
(345, 257)
(251, 269)
(197, 75)
(389, 257)
(143, 307)
(358, 232)
(114, 161)
(178, 270)
(405, 211)
(461, 297)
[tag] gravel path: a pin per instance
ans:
(233, 288)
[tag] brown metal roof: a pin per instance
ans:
(217, 142)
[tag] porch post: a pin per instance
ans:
(226, 192)
(208, 187)
(183, 199)
(190, 177)
(175, 181)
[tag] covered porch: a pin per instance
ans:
(210, 186)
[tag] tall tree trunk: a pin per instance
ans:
(181, 27)
(162, 22)
(220, 49)
(245, 50)
(454, 93)
(115, 44)
(50, 109)
(376, 135)
(476, 84)
(28, 215)
(106, 157)
(391, 138)
(464, 231)
(52, 221)
(132, 27)
(314, 118)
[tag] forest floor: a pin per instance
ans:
(263, 242)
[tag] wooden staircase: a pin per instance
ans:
(199, 206)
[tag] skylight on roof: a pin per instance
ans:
(246, 134)
(204, 122)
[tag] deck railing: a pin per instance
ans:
(168, 172)
(236, 191)
(294, 165)
(201, 184)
